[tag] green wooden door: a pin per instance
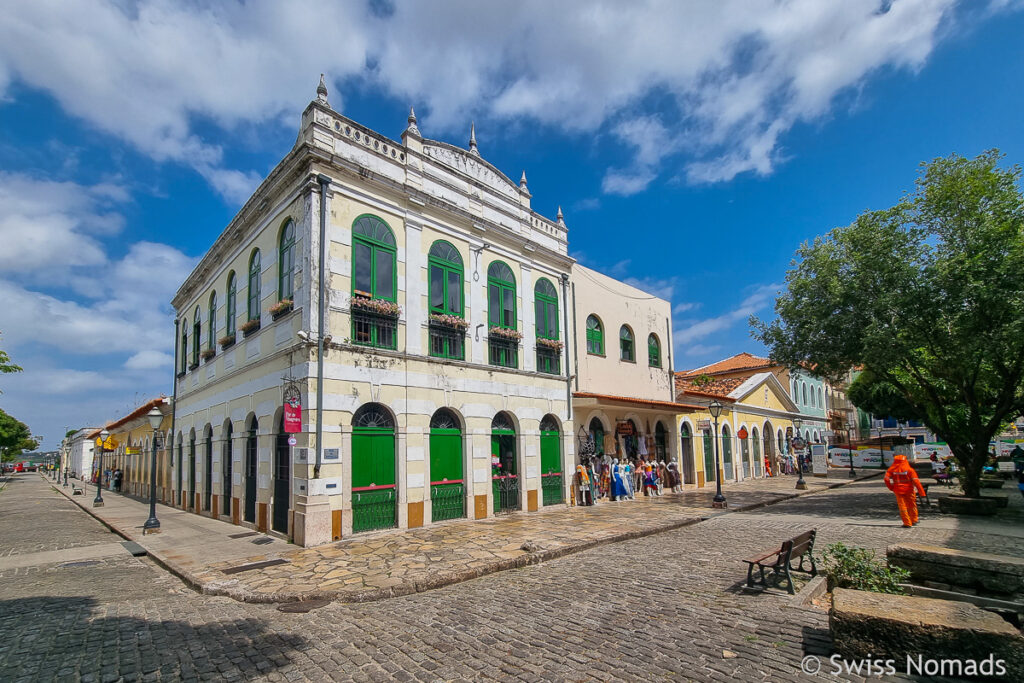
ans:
(727, 456)
(709, 458)
(447, 486)
(551, 467)
(374, 496)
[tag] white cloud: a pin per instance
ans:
(694, 350)
(149, 359)
(754, 302)
(659, 287)
(683, 307)
(729, 80)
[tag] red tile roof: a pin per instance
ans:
(137, 413)
(678, 407)
(741, 361)
(717, 388)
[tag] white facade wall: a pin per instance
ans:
(81, 452)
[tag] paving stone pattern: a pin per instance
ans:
(660, 607)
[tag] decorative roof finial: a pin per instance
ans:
(472, 139)
(321, 91)
(522, 181)
(558, 216)
(411, 128)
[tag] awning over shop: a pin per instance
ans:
(584, 398)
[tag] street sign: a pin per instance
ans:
(292, 441)
(703, 424)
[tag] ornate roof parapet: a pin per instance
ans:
(559, 218)
(412, 129)
(472, 139)
(524, 192)
(411, 137)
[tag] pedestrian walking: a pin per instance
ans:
(902, 480)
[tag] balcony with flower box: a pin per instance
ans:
(374, 322)
(281, 308)
(503, 346)
(448, 336)
(207, 354)
(549, 356)
(227, 341)
(249, 327)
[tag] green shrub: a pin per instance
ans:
(857, 568)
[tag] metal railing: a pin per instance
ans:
(505, 489)
(503, 352)
(374, 510)
(549, 360)
(447, 342)
(374, 329)
(447, 501)
(551, 488)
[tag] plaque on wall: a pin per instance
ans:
(331, 454)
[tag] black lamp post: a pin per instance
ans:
(66, 450)
(849, 443)
(97, 502)
(797, 439)
(719, 500)
(152, 525)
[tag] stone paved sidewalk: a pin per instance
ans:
(400, 562)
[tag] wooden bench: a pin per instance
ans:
(77, 490)
(780, 562)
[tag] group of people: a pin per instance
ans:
(604, 477)
(111, 479)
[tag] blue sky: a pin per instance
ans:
(692, 146)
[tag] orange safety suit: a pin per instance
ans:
(902, 480)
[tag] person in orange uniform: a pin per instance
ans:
(902, 480)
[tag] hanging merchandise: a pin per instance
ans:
(643, 446)
(609, 443)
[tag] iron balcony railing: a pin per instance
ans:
(447, 342)
(549, 360)
(374, 508)
(506, 493)
(551, 488)
(374, 329)
(447, 500)
(503, 352)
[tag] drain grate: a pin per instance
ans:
(262, 541)
(255, 565)
(83, 563)
(244, 534)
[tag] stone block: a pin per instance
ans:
(312, 521)
(898, 627)
(961, 505)
(926, 563)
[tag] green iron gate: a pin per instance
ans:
(709, 458)
(447, 487)
(551, 467)
(505, 478)
(374, 495)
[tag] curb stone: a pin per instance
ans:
(227, 588)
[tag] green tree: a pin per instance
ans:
(6, 366)
(928, 296)
(881, 398)
(15, 437)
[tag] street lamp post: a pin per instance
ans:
(66, 449)
(800, 483)
(152, 525)
(97, 502)
(719, 500)
(849, 443)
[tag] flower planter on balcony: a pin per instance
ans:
(207, 354)
(250, 326)
(227, 341)
(281, 308)
(180, 374)
(451, 322)
(372, 306)
(193, 366)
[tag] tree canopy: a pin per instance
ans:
(927, 296)
(15, 438)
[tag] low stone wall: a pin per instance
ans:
(995, 573)
(897, 627)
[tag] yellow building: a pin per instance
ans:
(133, 453)
(756, 421)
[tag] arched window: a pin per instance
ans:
(821, 400)
(184, 344)
(502, 423)
(546, 308)
(254, 285)
(446, 279)
(545, 303)
(197, 335)
(804, 386)
(597, 435)
(595, 336)
(230, 313)
(503, 349)
(653, 351)
(286, 262)
(795, 393)
(211, 331)
(373, 259)
(444, 418)
(501, 296)
(626, 350)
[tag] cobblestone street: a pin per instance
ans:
(663, 606)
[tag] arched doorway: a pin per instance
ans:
(744, 437)
(208, 470)
(282, 479)
(597, 434)
(251, 465)
(504, 464)
(181, 467)
(551, 461)
(769, 446)
(374, 494)
(225, 462)
(755, 444)
(192, 471)
(661, 442)
(686, 454)
(727, 473)
(710, 466)
(447, 485)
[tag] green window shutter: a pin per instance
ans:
(595, 336)
(254, 286)
(550, 453)
(653, 351)
(229, 321)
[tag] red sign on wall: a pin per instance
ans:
(292, 416)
